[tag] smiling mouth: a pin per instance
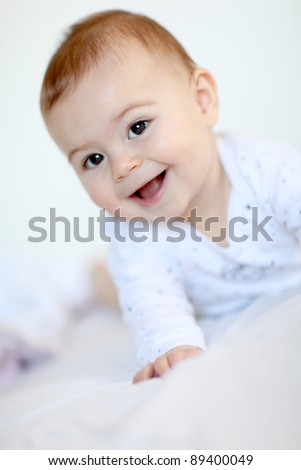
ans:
(150, 191)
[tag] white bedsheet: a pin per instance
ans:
(243, 392)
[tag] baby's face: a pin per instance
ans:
(138, 138)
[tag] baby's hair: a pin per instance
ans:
(101, 37)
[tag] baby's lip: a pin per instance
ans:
(143, 188)
(150, 193)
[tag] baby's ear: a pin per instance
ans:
(205, 92)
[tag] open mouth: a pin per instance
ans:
(151, 191)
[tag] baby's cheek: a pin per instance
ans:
(99, 195)
(106, 199)
(168, 149)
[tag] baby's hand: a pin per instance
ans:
(165, 362)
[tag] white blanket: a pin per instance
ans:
(39, 303)
(243, 392)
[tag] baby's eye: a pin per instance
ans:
(93, 160)
(137, 128)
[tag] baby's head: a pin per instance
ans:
(105, 39)
(126, 103)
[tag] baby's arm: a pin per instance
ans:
(153, 298)
(166, 362)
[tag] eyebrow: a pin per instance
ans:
(78, 149)
(132, 106)
(129, 107)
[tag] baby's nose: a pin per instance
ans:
(123, 167)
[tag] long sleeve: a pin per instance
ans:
(153, 299)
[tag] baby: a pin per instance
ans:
(135, 116)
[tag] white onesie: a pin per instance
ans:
(166, 286)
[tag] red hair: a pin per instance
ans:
(99, 37)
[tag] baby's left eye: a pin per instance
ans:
(137, 128)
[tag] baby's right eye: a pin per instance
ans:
(93, 160)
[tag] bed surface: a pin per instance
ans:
(243, 392)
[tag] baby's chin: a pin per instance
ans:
(164, 209)
(151, 214)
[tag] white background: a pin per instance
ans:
(252, 47)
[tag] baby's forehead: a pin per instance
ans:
(120, 79)
(136, 62)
